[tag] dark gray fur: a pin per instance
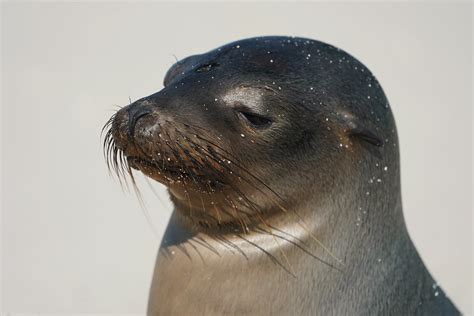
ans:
(330, 159)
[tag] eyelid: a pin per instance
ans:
(241, 107)
(206, 67)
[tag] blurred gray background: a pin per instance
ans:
(73, 242)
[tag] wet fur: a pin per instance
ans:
(309, 217)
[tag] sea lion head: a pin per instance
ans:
(249, 128)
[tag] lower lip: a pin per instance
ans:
(167, 175)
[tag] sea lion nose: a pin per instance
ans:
(135, 112)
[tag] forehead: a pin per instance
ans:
(265, 55)
(254, 55)
(293, 65)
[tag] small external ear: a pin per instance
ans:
(366, 136)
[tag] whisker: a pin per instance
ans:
(212, 158)
(301, 220)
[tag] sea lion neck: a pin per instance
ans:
(339, 229)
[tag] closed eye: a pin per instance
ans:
(207, 67)
(255, 119)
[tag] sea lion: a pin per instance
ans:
(281, 159)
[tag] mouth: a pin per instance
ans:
(171, 175)
(153, 169)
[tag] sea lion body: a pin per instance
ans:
(281, 158)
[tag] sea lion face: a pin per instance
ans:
(240, 129)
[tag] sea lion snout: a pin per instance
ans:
(145, 136)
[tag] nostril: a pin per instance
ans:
(136, 112)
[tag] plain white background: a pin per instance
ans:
(73, 242)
